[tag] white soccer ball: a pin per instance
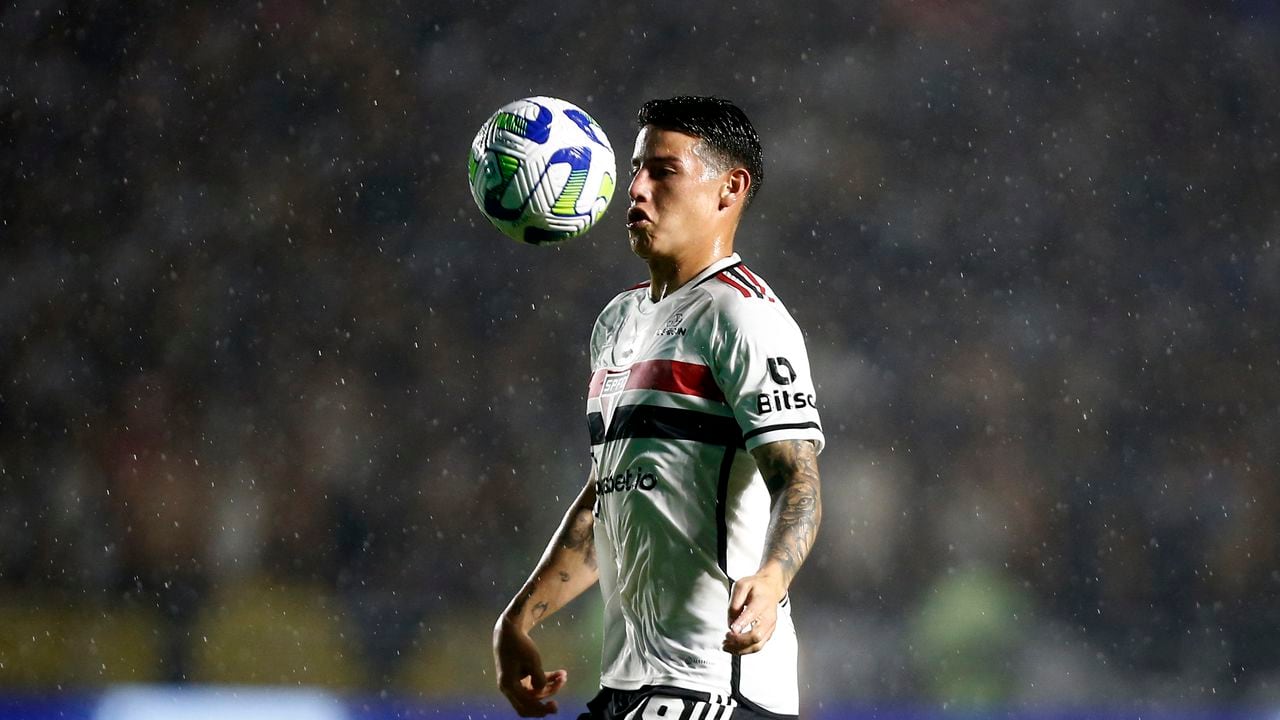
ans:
(541, 170)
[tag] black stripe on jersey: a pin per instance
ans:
(735, 679)
(740, 277)
(595, 426)
(782, 426)
(722, 510)
(664, 423)
(714, 274)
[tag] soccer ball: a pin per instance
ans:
(541, 170)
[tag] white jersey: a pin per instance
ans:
(681, 390)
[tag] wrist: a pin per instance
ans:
(772, 573)
(523, 613)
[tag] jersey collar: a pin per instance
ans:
(696, 280)
(714, 268)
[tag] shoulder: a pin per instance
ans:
(613, 312)
(743, 299)
(623, 300)
(739, 282)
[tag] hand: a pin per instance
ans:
(753, 612)
(520, 676)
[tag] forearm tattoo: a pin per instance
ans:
(577, 537)
(570, 559)
(790, 469)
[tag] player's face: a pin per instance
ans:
(674, 199)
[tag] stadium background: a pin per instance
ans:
(277, 407)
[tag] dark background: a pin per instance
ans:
(277, 405)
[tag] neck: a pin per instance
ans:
(666, 275)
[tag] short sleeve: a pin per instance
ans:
(761, 365)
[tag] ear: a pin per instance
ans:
(735, 188)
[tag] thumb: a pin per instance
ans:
(537, 678)
(738, 599)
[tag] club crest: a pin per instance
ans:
(614, 383)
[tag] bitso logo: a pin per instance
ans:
(781, 371)
(784, 400)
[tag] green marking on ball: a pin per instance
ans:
(567, 203)
(606, 192)
(507, 165)
(512, 123)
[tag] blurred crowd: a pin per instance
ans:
(253, 331)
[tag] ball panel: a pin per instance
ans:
(502, 198)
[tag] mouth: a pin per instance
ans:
(637, 218)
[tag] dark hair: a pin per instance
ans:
(720, 124)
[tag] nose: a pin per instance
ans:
(639, 188)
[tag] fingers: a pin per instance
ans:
(751, 619)
(744, 607)
(535, 681)
(525, 707)
(738, 598)
(520, 675)
(529, 696)
(745, 621)
(552, 683)
(753, 638)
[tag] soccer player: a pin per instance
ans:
(703, 498)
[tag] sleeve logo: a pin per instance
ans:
(781, 371)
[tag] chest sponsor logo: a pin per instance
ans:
(631, 480)
(610, 392)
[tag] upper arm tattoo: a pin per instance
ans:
(580, 533)
(790, 469)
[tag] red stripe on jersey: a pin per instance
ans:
(733, 284)
(644, 284)
(671, 376)
(756, 281)
(597, 383)
(675, 376)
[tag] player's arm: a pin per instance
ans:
(790, 469)
(566, 570)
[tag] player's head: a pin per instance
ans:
(728, 139)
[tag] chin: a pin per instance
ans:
(641, 245)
